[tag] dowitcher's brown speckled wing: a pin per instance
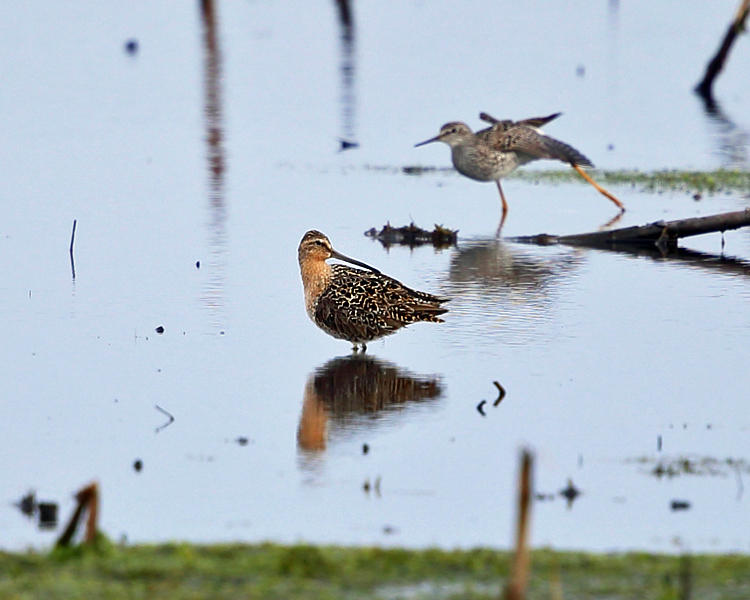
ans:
(361, 305)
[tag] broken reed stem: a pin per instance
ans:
(516, 588)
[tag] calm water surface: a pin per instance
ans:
(194, 166)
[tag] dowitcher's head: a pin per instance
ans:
(451, 133)
(315, 247)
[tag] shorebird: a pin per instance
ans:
(354, 304)
(492, 153)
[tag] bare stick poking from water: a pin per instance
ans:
(72, 241)
(516, 588)
(736, 27)
(168, 423)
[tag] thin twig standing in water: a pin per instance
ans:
(736, 27)
(516, 588)
(72, 241)
(171, 418)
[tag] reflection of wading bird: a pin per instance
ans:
(494, 152)
(355, 305)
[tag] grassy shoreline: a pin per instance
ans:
(269, 571)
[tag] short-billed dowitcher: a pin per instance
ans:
(492, 153)
(356, 305)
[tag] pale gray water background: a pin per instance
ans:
(600, 352)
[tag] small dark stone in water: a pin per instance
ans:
(131, 46)
(365, 448)
(679, 505)
(697, 197)
(159, 329)
(138, 465)
(366, 486)
(197, 264)
(480, 407)
(47, 515)
(242, 441)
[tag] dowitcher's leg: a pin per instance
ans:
(599, 188)
(355, 348)
(364, 347)
(505, 208)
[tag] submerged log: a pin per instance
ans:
(660, 234)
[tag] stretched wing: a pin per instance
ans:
(533, 145)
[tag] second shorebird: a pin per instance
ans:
(356, 305)
(492, 153)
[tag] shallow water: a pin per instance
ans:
(602, 354)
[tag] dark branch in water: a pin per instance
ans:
(660, 234)
(737, 26)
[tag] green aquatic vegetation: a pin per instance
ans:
(693, 182)
(270, 571)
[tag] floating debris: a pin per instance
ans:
(674, 466)
(480, 408)
(242, 441)
(137, 465)
(131, 46)
(347, 145)
(570, 492)
(27, 504)
(159, 329)
(365, 448)
(171, 418)
(500, 393)
(679, 505)
(412, 236)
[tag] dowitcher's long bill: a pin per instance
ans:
(494, 152)
(354, 304)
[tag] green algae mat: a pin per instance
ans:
(268, 571)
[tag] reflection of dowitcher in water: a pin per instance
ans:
(497, 151)
(347, 392)
(356, 305)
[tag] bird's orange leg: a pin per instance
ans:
(599, 188)
(505, 208)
